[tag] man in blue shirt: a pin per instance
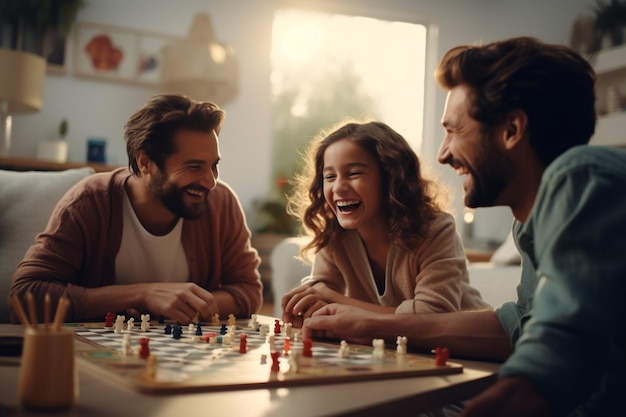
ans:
(518, 116)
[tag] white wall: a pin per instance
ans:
(100, 108)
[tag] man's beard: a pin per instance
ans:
(173, 196)
(490, 174)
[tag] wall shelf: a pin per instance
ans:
(32, 164)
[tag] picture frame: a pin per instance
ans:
(118, 54)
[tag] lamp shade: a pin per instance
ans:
(200, 67)
(22, 76)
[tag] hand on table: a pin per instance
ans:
(513, 396)
(300, 303)
(179, 301)
(340, 321)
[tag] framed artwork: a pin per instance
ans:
(118, 54)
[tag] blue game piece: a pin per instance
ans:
(168, 329)
(177, 332)
(223, 329)
(198, 330)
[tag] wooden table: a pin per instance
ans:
(397, 397)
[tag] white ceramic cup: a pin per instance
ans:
(48, 378)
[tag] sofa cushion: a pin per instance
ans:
(26, 202)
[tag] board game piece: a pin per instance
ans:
(151, 367)
(184, 366)
(264, 329)
(286, 345)
(223, 329)
(144, 347)
(307, 348)
(275, 363)
(276, 326)
(441, 356)
(288, 330)
(199, 329)
(232, 320)
(379, 348)
(215, 320)
(168, 329)
(108, 319)
(130, 324)
(243, 341)
(191, 328)
(118, 327)
(145, 322)
(271, 340)
(126, 348)
(177, 331)
(344, 350)
(254, 322)
(401, 342)
(294, 360)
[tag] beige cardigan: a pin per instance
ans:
(432, 278)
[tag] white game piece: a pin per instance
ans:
(254, 322)
(294, 360)
(401, 341)
(130, 324)
(151, 367)
(145, 322)
(118, 327)
(215, 320)
(379, 348)
(344, 350)
(271, 339)
(264, 329)
(192, 327)
(288, 330)
(126, 348)
(232, 320)
(263, 359)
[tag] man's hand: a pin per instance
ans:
(339, 321)
(513, 396)
(299, 303)
(179, 301)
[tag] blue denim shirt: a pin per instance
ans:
(568, 327)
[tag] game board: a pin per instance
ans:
(184, 365)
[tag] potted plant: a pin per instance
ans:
(31, 25)
(610, 21)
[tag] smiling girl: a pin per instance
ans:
(381, 238)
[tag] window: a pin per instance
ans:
(328, 67)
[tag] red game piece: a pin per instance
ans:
(276, 326)
(286, 345)
(243, 342)
(441, 356)
(307, 348)
(108, 319)
(144, 349)
(275, 365)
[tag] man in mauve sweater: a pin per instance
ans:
(165, 236)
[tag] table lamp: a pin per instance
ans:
(22, 77)
(200, 67)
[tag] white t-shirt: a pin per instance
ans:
(144, 257)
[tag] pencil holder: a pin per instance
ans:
(48, 378)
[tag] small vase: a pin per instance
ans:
(52, 150)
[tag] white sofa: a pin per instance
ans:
(26, 202)
(497, 280)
